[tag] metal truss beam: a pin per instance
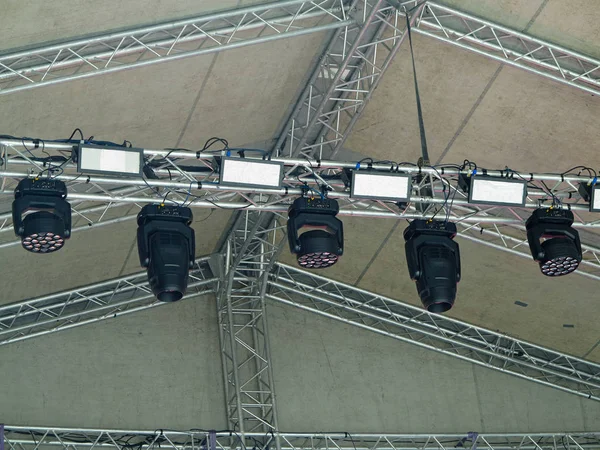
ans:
(346, 75)
(89, 304)
(243, 326)
(173, 40)
(344, 80)
(452, 337)
(106, 200)
(510, 47)
(245, 352)
(41, 438)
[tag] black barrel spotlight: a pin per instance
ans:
(322, 242)
(166, 247)
(553, 242)
(433, 259)
(41, 215)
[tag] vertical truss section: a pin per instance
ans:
(248, 377)
(346, 76)
(510, 47)
(111, 52)
(89, 304)
(452, 337)
(40, 438)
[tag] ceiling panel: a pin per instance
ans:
(531, 124)
(492, 281)
(513, 13)
(450, 81)
(574, 24)
(249, 91)
(148, 106)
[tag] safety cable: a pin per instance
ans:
(424, 151)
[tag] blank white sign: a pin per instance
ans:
(495, 191)
(248, 172)
(368, 185)
(109, 160)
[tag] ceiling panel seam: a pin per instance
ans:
(467, 118)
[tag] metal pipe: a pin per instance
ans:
(160, 43)
(330, 164)
(147, 62)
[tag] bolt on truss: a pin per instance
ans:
(89, 304)
(173, 40)
(344, 80)
(510, 47)
(414, 325)
(40, 438)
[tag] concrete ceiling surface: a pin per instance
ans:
(474, 108)
(161, 369)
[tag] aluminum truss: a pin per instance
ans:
(40, 438)
(496, 226)
(90, 304)
(343, 81)
(245, 343)
(408, 323)
(173, 40)
(510, 47)
(319, 125)
(245, 352)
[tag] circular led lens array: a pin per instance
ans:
(562, 265)
(317, 260)
(43, 242)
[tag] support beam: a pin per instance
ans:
(256, 238)
(42, 438)
(169, 41)
(500, 227)
(245, 352)
(407, 323)
(510, 47)
(89, 304)
(344, 80)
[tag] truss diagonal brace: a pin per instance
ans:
(510, 47)
(89, 304)
(452, 337)
(33, 438)
(173, 40)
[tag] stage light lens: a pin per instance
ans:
(561, 257)
(318, 249)
(39, 232)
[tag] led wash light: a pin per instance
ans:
(433, 262)
(381, 186)
(251, 172)
(166, 246)
(499, 191)
(554, 244)
(41, 215)
(110, 160)
(322, 242)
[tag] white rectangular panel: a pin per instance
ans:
(110, 160)
(247, 172)
(380, 186)
(504, 192)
